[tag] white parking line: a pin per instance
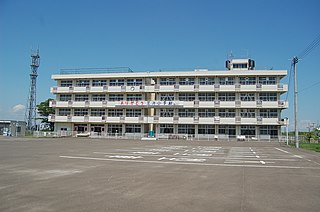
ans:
(246, 161)
(125, 156)
(146, 153)
(281, 150)
(187, 163)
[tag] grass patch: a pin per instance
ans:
(313, 147)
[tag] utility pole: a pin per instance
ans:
(295, 60)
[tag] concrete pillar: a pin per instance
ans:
(238, 130)
(196, 127)
(123, 128)
(151, 114)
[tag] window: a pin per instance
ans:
(115, 97)
(81, 112)
(246, 97)
(240, 65)
(247, 113)
(98, 97)
(134, 82)
(248, 130)
(64, 111)
(269, 97)
(206, 129)
(66, 83)
(186, 113)
(166, 97)
(166, 112)
(115, 112)
(115, 129)
(207, 97)
(206, 81)
(133, 112)
(116, 82)
(82, 83)
(81, 127)
(81, 97)
(65, 97)
(167, 81)
(227, 97)
(268, 113)
(134, 97)
(267, 80)
(187, 97)
(227, 130)
(166, 128)
(226, 80)
(227, 113)
(133, 128)
(186, 81)
(247, 80)
(98, 112)
(186, 129)
(206, 112)
(269, 130)
(99, 83)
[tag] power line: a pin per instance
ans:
(310, 86)
(289, 83)
(310, 47)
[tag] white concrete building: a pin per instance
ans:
(199, 104)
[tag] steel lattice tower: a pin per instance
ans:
(31, 111)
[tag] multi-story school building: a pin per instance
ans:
(236, 102)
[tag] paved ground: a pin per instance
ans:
(104, 175)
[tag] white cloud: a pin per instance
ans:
(18, 108)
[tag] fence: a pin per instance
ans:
(139, 136)
(302, 139)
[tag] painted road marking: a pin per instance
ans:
(297, 156)
(199, 155)
(147, 153)
(246, 161)
(183, 159)
(281, 150)
(125, 156)
(184, 163)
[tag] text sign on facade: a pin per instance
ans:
(147, 104)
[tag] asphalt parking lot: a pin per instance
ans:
(124, 175)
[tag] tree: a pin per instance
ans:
(44, 110)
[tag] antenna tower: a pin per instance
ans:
(31, 111)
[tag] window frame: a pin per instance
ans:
(99, 83)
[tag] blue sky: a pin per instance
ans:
(151, 35)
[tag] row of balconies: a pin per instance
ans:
(185, 104)
(172, 88)
(164, 120)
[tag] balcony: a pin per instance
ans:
(282, 88)
(167, 120)
(185, 104)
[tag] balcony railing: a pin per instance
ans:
(178, 104)
(173, 88)
(167, 120)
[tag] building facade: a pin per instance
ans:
(202, 104)
(12, 128)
